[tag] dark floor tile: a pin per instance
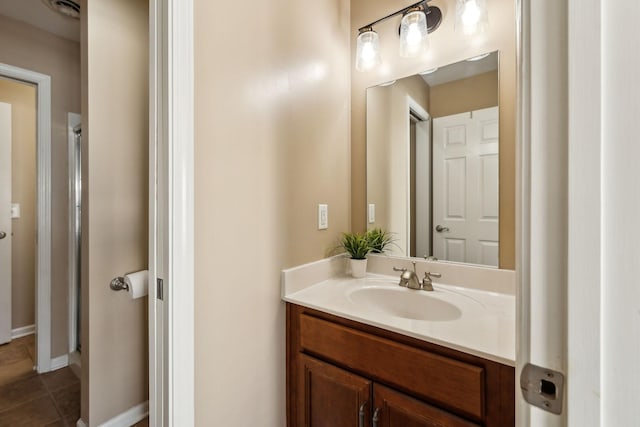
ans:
(60, 423)
(59, 379)
(12, 353)
(15, 364)
(68, 401)
(20, 392)
(143, 423)
(28, 339)
(31, 349)
(71, 421)
(37, 413)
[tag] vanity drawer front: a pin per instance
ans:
(429, 376)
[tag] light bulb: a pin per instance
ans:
(367, 50)
(471, 13)
(413, 34)
(471, 16)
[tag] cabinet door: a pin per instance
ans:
(332, 397)
(394, 409)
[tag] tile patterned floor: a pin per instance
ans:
(31, 400)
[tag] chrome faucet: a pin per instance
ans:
(409, 279)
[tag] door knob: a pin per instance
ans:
(2, 235)
(440, 228)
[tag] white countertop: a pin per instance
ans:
(483, 326)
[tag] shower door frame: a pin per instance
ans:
(74, 159)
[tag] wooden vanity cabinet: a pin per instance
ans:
(331, 397)
(344, 373)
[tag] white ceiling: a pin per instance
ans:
(462, 70)
(36, 13)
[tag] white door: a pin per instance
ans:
(5, 223)
(465, 187)
(423, 189)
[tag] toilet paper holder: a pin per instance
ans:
(119, 284)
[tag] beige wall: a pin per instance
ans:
(272, 141)
(460, 96)
(22, 98)
(446, 47)
(115, 95)
(28, 47)
(387, 126)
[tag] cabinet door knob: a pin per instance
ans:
(375, 417)
(361, 415)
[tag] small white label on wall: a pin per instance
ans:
(372, 213)
(323, 217)
(15, 210)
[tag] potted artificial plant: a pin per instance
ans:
(357, 246)
(379, 239)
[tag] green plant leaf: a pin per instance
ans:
(379, 239)
(355, 244)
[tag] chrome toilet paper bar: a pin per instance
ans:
(119, 284)
(135, 283)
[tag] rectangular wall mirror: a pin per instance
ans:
(432, 162)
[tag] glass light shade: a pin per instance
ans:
(472, 16)
(367, 51)
(414, 37)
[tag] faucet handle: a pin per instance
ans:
(426, 282)
(399, 269)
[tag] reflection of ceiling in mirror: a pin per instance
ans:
(462, 70)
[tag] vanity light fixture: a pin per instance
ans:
(418, 20)
(367, 50)
(472, 16)
(413, 34)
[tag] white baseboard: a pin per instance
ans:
(80, 423)
(128, 417)
(60, 362)
(23, 331)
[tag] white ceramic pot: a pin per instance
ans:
(358, 267)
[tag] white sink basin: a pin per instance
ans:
(405, 303)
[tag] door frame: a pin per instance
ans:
(171, 213)
(43, 248)
(424, 116)
(542, 207)
(73, 121)
(6, 225)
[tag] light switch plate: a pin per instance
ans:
(323, 217)
(372, 213)
(15, 210)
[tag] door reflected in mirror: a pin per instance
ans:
(432, 162)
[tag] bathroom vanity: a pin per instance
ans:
(346, 373)
(365, 352)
